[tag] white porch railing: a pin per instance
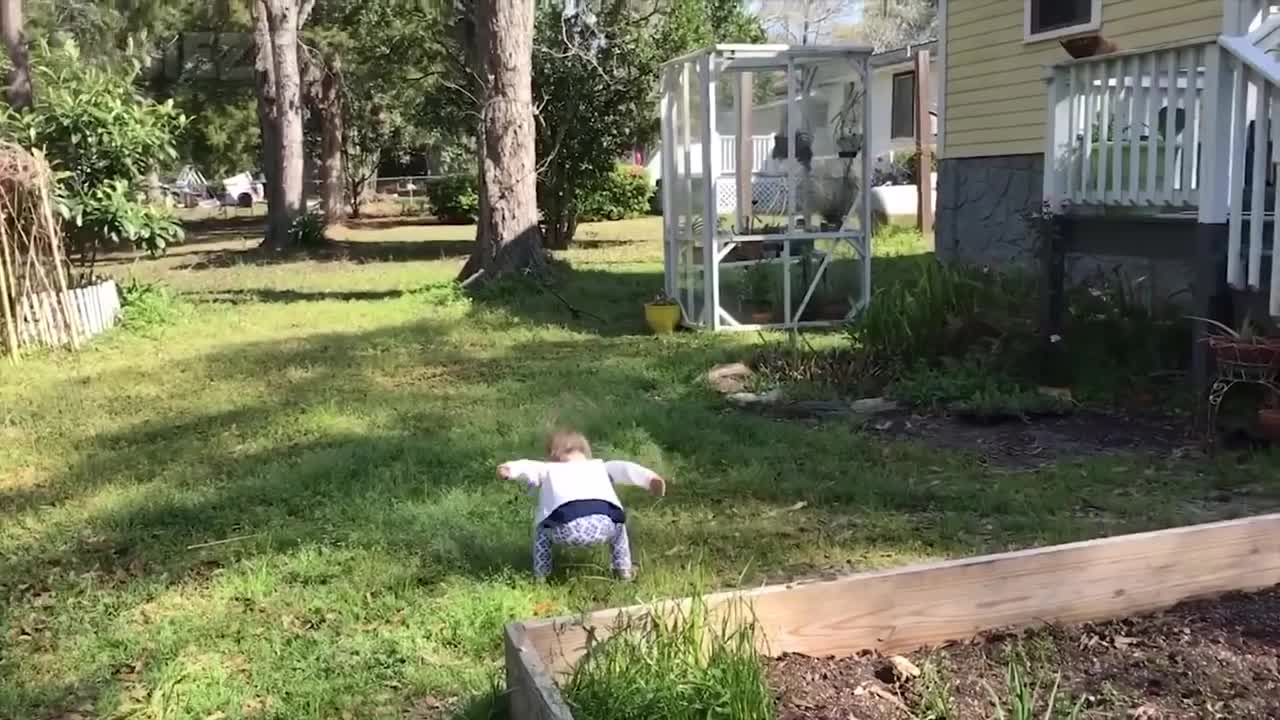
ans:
(761, 146)
(1123, 129)
(1194, 126)
(1252, 75)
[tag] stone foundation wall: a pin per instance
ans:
(982, 206)
(982, 203)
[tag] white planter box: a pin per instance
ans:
(899, 201)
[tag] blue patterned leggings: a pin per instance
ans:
(589, 530)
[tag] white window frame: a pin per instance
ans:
(1094, 23)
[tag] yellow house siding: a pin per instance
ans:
(995, 102)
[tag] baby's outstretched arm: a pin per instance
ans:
(530, 471)
(622, 472)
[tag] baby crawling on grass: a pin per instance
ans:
(577, 504)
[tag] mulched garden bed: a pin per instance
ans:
(1203, 659)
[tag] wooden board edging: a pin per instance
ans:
(907, 608)
(531, 692)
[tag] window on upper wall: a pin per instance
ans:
(902, 123)
(1045, 19)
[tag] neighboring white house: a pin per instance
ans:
(892, 122)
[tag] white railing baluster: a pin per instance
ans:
(1170, 128)
(1104, 131)
(1257, 208)
(1136, 97)
(1191, 130)
(1073, 133)
(1118, 104)
(1239, 129)
(1151, 109)
(1086, 158)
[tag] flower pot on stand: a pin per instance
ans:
(662, 317)
(1269, 424)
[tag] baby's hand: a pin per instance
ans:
(657, 486)
(504, 471)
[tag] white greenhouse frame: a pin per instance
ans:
(695, 250)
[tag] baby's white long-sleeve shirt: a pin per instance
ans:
(559, 483)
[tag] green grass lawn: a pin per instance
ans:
(339, 420)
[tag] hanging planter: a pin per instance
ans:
(847, 146)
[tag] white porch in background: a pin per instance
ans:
(1185, 128)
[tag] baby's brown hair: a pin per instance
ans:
(563, 443)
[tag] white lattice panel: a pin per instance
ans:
(768, 195)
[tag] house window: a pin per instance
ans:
(903, 121)
(1058, 18)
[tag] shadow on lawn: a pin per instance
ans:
(587, 299)
(302, 486)
(348, 251)
(243, 296)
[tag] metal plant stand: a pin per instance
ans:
(1240, 364)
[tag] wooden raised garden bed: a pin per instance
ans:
(910, 608)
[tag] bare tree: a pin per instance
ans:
(893, 24)
(19, 89)
(804, 22)
(507, 235)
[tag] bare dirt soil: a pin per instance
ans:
(1045, 440)
(1217, 658)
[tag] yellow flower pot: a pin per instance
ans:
(662, 319)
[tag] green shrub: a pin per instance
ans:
(624, 193)
(103, 137)
(455, 199)
(108, 215)
(307, 231)
(675, 666)
(948, 310)
(149, 307)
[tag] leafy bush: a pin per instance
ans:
(109, 215)
(903, 169)
(455, 199)
(676, 666)
(623, 193)
(307, 231)
(103, 137)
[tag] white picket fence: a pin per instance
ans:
(96, 307)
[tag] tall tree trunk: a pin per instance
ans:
(19, 91)
(282, 20)
(507, 233)
(332, 173)
(265, 77)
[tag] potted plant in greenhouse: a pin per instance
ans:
(758, 293)
(662, 314)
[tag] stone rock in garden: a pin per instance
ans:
(896, 670)
(873, 406)
(748, 399)
(730, 378)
